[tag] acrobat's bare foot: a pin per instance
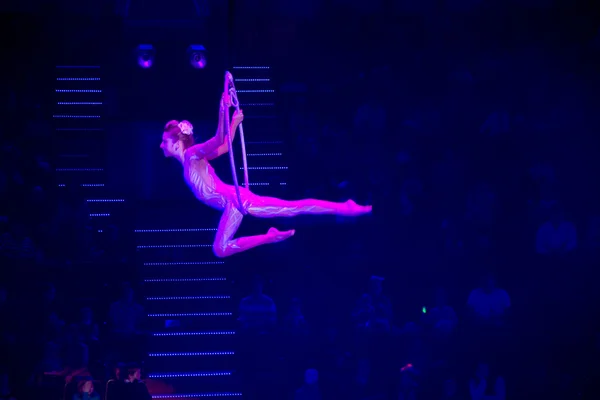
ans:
(279, 236)
(355, 209)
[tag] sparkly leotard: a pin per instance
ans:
(204, 182)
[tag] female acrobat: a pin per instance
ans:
(178, 142)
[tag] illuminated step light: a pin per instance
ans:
(175, 230)
(257, 104)
(79, 169)
(100, 215)
(194, 395)
(194, 354)
(263, 154)
(194, 333)
(75, 116)
(253, 80)
(256, 91)
(282, 183)
(157, 264)
(202, 314)
(266, 142)
(257, 184)
(251, 67)
(185, 280)
(77, 79)
(84, 185)
(105, 200)
(189, 374)
(173, 246)
(189, 298)
(265, 168)
(79, 103)
(78, 91)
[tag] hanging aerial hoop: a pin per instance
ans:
(230, 90)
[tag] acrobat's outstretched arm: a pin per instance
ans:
(210, 147)
(238, 117)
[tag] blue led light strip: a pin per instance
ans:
(263, 154)
(84, 185)
(77, 79)
(256, 91)
(189, 374)
(105, 200)
(78, 91)
(188, 298)
(201, 314)
(251, 67)
(195, 354)
(194, 333)
(184, 280)
(156, 264)
(191, 396)
(253, 80)
(78, 169)
(266, 168)
(79, 103)
(76, 116)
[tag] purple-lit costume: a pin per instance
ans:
(209, 189)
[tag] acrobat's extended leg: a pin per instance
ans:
(268, 207)
(225, 245)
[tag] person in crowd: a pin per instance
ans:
(85, 391)
(257, 312)
(488, 303)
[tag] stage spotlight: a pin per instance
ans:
(197, 55)
(145, 55)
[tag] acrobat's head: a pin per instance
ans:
(177, 136)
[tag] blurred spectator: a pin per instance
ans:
(257, 311)
(310, 389)
(450, 390)
(114, 386)
(488, 303)
(294, 321)
(85, 391)
(88, 329)
(70, 224)
(134, 388)
(556, 237)
(408, 383)
(442, 317)
(483, 387)
(382, 306)
(125, 315)
(125, 319)
(76, 353)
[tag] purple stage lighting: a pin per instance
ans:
(145, 55)
(197, 54)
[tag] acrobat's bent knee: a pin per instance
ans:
(220, 250)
